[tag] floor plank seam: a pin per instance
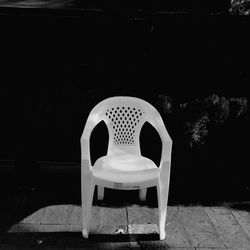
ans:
(220, 237)
(156, 218)
(70, 217)
(186, 231)
(247, 235)
(99, 220)
(216, 231)
(39, 222)
(127, 226)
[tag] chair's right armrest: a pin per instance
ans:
(91, 122)
(85, 145)
(85, 155)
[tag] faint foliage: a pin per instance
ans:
(218, 108)
(197, 131)
(238, 106)
(240, 7)
(204, 116)
(166, 104)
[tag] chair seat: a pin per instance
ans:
(125, 168)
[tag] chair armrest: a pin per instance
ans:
(165, 172)
(85, 155)
(166, 152)
(159, 125)
(165, 162)
(91, 122)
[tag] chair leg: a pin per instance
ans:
(162, 193)
(100, 193)
(142, 194)
(87, 199)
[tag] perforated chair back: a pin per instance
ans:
(124, 117)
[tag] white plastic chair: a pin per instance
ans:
(124, 167)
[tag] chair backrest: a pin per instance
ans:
(124, 117)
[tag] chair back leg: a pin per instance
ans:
(100, 193)
(142, 194)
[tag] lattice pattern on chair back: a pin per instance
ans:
(124, 121)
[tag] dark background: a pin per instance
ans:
(56, 64)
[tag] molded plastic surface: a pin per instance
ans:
(124, 167)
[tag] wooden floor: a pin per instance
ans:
(28, 224)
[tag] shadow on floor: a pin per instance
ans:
(74, 240)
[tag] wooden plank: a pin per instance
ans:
(176, 234)
(243, 217)
(76, 216)
(23, 228)
(36, 217)
(53, 228)
(113, 220)
(141, 220)
(114, 245)
(199, 227)
(76, 219)
(228, 227)
(142, 223)
(57, 214)
(75, 228)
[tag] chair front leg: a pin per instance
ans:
(162, 195)
(88, 188)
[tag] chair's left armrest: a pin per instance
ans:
(165, 139)
(165, 162)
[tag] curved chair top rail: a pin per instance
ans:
(124, 117)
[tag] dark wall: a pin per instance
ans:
(56, 67)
